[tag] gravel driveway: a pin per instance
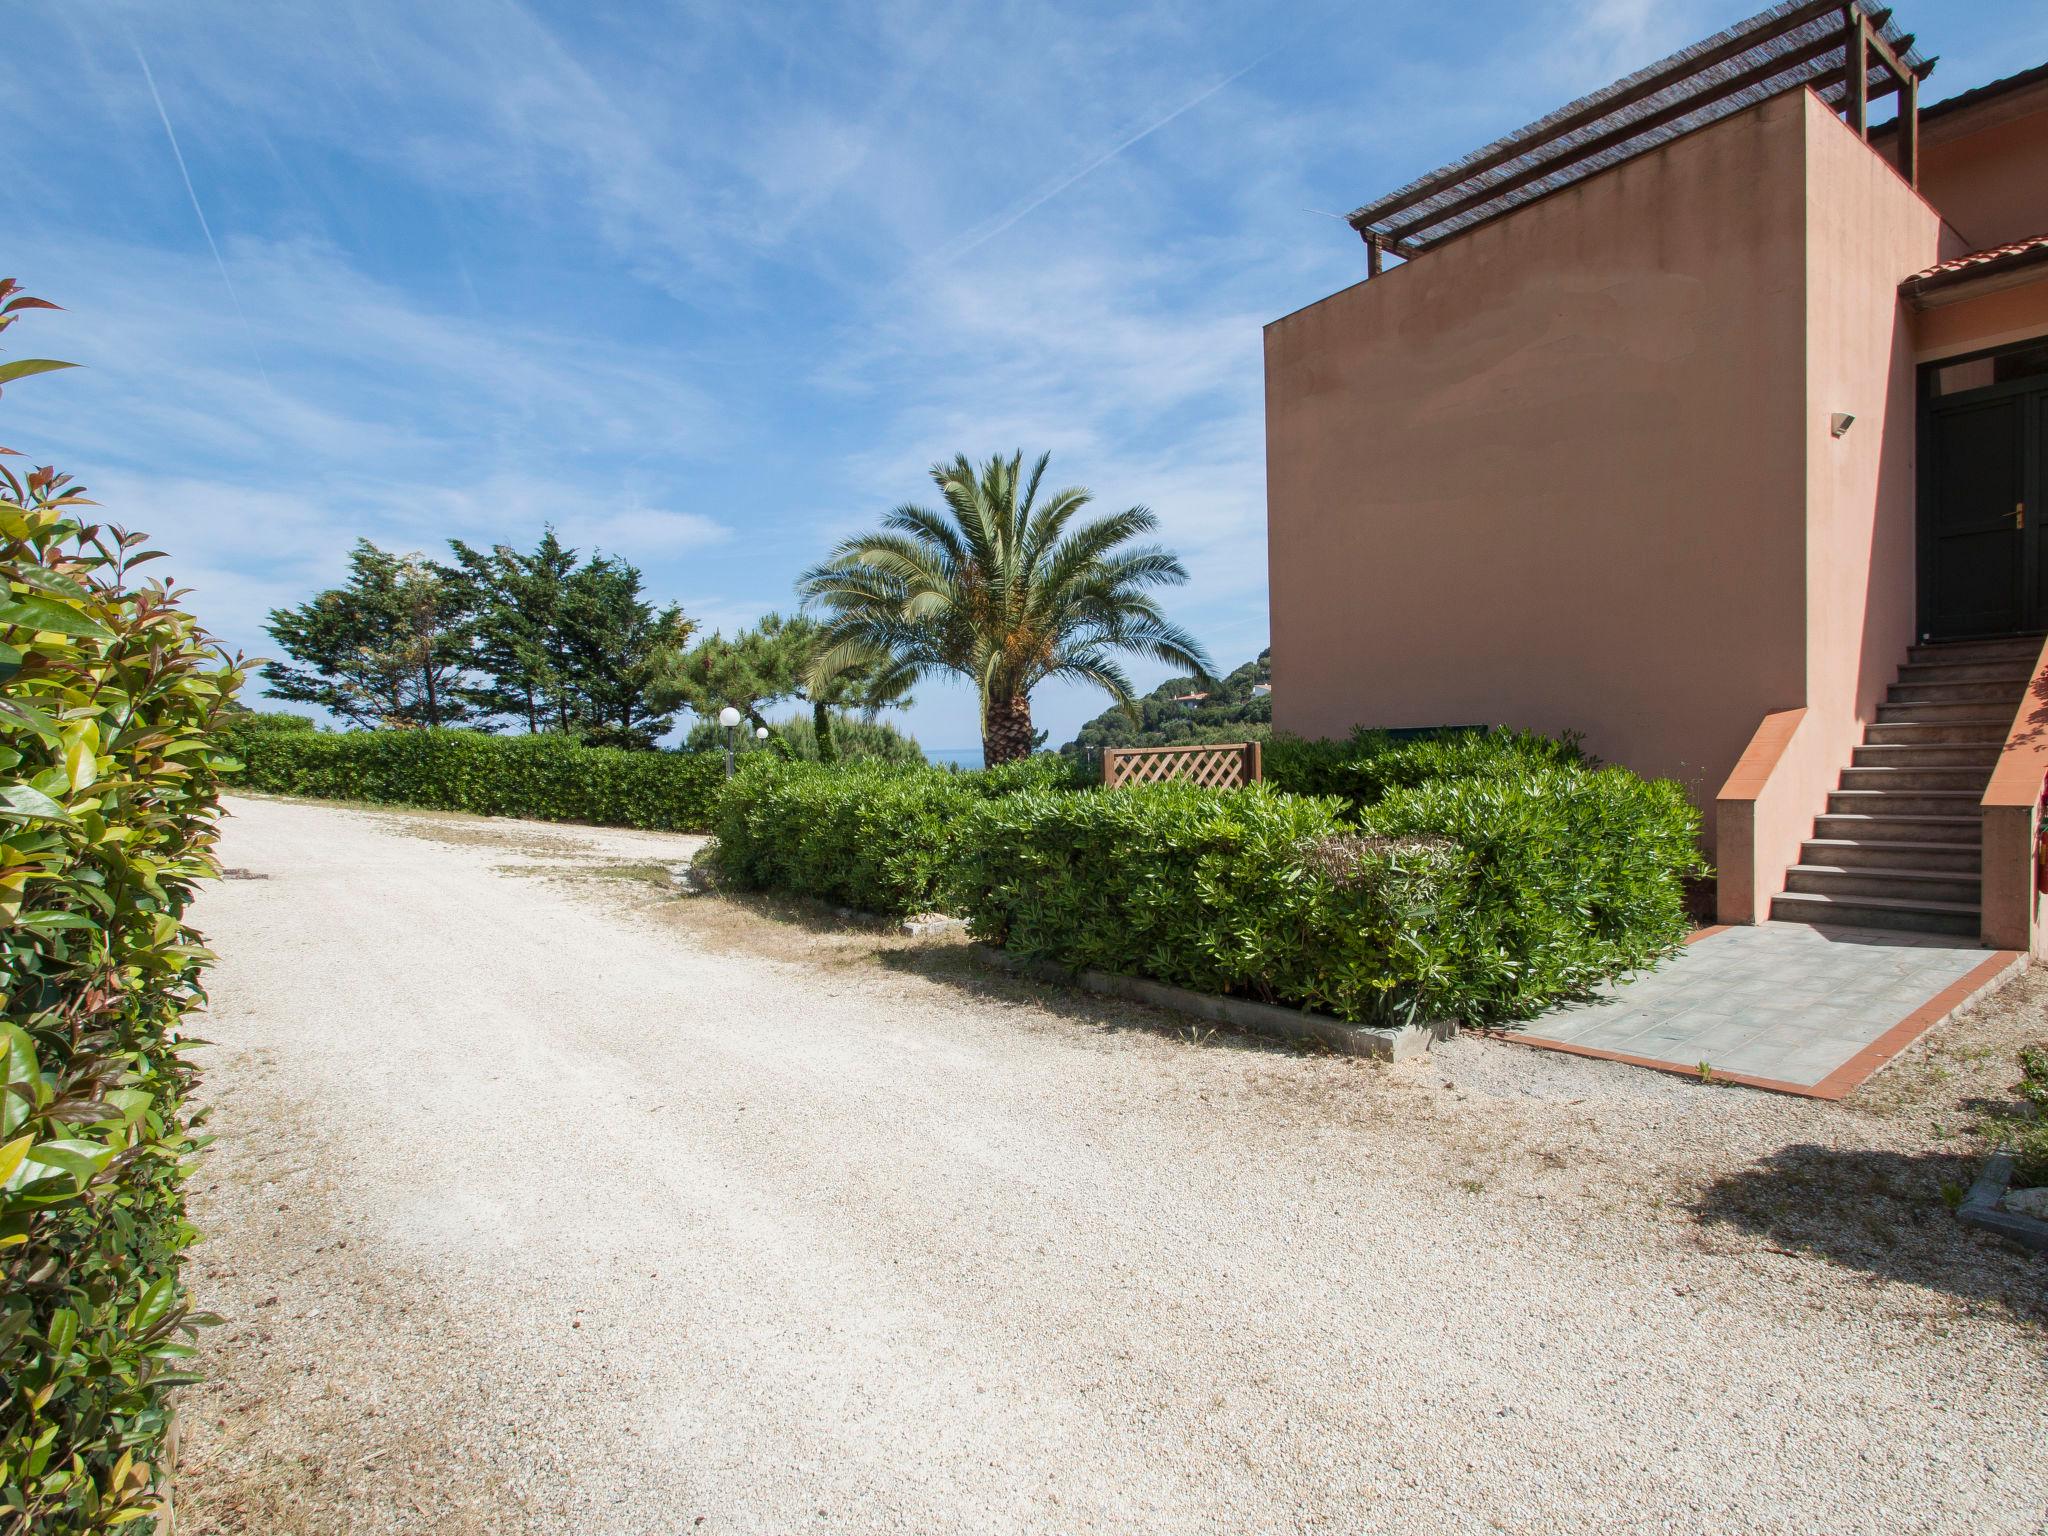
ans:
(548, 1200)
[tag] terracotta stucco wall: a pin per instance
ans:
(1993, 319)
(1866, 232)
(1988, 170)
(1552, 474)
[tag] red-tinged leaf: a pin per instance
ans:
(25, 302)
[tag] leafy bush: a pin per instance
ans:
(1042, 770)
(1484, 898)
(1248, 891)
(1568, 876)
(1366, 765)
(109, 697)
(546, 776)
(2025, 1135)
(872, 835)
(796, 735)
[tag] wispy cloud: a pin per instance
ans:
(199, 213)
(707, 285)
(999, 223)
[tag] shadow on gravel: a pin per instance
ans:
(953, 965)
(1885, 1213)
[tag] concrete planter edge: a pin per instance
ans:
(1296, 1025)
(1981, 1208)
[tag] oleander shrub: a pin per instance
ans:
(1043, 770)
(109, 699)
(1365, 766)
(872, 835)
(1249, 891)
(546, 777)
(1484, 898)
(1570, 876)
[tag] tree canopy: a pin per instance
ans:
(1238, 707)
(775, 660)
(540, 639)
(389, 647)
(1003, 590)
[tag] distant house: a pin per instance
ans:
(1710, 419)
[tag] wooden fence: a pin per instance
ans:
(1225, 765)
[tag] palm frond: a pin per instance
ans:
(1000, 587)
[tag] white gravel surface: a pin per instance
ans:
(548, 1200)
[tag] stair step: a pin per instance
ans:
(1966, 780)
(2025, 646)
(1932, 733)
(1960, 712)
(1968, 830)
(1914, 802)
(1980, 757)
(1875, 880)
(1989, 690)
(1880, 853)
(1959, 918)
(1998, 669)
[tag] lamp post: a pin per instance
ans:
(730, 719)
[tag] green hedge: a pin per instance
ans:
(546, 777)
(109, 697)
(1485, 898)
(871, 835)
(1364, 766)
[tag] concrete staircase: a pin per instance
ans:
(1900, 844)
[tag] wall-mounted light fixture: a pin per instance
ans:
(1840, 423)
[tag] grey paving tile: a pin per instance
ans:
(1786, 1001)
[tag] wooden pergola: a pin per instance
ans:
(1849, 51)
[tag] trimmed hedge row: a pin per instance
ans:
(109, 700)
(1364, 766)
(1484, 899)
(545, 777)
(872, 835)
(1479, 875)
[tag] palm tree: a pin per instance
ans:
(1004, 591)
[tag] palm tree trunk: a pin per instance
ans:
(1006, 730)
(821, 727)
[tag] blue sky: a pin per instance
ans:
(709, 286)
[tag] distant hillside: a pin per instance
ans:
(1229, 710)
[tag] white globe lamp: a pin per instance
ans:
(730, 719)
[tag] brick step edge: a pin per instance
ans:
(1383, 1042)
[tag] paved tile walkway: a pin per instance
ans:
(1783, 1005)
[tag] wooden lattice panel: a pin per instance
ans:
(1226, 765)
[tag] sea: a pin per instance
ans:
(953, 757)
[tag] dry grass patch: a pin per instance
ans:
(310, 1421)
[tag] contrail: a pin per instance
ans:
(206, 229)
(956, 252)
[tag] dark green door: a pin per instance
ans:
(1981, 545)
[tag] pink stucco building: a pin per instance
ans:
(1710, 419)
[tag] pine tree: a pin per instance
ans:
(387, 648)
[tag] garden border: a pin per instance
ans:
(1980, 1207)
(1381, 1042)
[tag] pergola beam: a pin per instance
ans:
(1557, 159)
(1521, 144)
(1837, 48)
